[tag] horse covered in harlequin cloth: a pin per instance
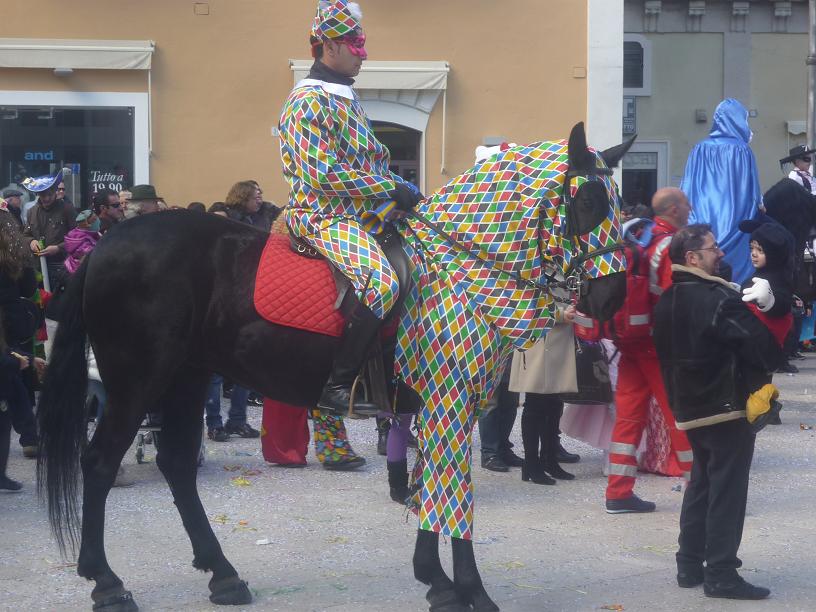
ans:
(483, 250)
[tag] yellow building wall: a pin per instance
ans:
(219, 80)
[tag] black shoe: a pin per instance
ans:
(797, 355)
(7, 484)
(494, 464)
(565, 456)
(531, 473)
(243, 431)
(688, 579)
(735, 590)
(217, 434)
(769, 418)
(629, 505)
(556, 471)
(344, 464)
(336, 399)
(511, 459)
(788, 368)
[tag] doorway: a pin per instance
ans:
(404, 145)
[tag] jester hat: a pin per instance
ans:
(42, 183)
(336, 18)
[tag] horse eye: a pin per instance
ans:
(591, 207)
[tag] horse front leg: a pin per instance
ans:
(466, 578)
(442, 595)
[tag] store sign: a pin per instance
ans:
(100, 179)
(39, 155)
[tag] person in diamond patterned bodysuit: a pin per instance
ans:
(337, 172)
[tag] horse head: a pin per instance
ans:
(590, 208)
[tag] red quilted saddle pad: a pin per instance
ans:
(296, 291)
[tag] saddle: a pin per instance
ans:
(297, 287)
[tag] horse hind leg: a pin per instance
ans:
(466, 578)
(100, 462)
(178, 461)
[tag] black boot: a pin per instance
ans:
(531, 424)
(550, 441)
(398, 480)
(383, 427)
(361, 330)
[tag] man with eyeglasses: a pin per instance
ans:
(710, 347)
(801, 157)
(107, 207)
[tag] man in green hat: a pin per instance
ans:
(143, 201)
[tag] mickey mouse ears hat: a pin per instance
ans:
(42, 183)
(336, 18)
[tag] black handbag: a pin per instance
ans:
(592, 368)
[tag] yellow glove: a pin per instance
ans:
(759, 402)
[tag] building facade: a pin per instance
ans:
(681, 58)
(186, 94)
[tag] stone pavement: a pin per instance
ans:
(336, 542)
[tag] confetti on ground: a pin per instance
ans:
(340, 587)
(232, 468)
(337, 540)
(533, 587)
(221, 519)
(240, 481)
(803, 426)
(263, 542)
(616, 607)
(251, 472)
(677, 487)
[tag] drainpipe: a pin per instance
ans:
(811, 64)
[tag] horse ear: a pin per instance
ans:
(613, 155)
(579, 155)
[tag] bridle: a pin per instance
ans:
(576, 273)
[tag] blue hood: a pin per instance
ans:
(722, 183)
(731, 121)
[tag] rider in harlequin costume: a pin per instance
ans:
(338, 173)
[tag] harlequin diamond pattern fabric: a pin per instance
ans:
(334, 19)
(463, 319)
(337, 170)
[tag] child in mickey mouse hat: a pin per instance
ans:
(769, 295)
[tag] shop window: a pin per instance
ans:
(95, 144)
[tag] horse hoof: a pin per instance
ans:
(121, 602)
(445, 600)
(230, 592)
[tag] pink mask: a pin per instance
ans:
(356, 45)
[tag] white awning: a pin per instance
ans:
(76, 54)
(390, 75)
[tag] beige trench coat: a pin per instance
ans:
(548, 367)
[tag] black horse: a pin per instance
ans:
(181, 286)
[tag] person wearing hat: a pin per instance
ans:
(48, 223)
(338, 174)
(143, 201)
(13, 198)
(801, 158)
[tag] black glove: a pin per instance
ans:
(406, 197)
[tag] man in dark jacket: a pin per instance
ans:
(708, 342)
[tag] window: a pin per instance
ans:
(632, 64)
(637, 65)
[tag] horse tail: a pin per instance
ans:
(61, 415)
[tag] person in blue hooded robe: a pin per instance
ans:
(722, 183)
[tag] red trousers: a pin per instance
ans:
(639, 378)
(285, 433)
